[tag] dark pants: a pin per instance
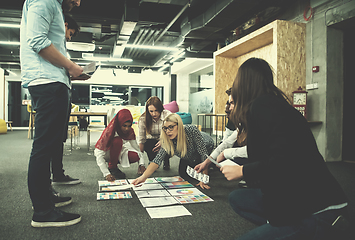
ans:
(51, 102)
(57, 160)
(248, 204)
(148, 148)
(182, 171)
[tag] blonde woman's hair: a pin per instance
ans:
(166, 142)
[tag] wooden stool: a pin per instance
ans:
(9, 123)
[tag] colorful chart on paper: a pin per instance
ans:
(170, 179)
(113, 195)
(193, 199)
(184, 191)
(116, 183)
(185, 184)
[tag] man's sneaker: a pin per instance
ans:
(117, 173)
(65, 180)
(61, 201)
(54, 218)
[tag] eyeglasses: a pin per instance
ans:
(170, 128)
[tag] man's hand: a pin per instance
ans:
(75, 70)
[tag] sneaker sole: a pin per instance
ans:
(62, 204)
(67, 183)
(55, 224)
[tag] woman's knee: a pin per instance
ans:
(235, 198)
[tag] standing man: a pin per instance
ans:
(46, 72)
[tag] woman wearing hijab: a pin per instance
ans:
(118, 145)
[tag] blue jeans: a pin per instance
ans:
(248, 204)
(51, 103)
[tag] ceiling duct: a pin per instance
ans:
(128, 23)
(201, 21)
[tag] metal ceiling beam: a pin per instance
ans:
(172, 22)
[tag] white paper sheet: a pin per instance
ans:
(152, 193)
(151, 186)
(227, 162)
(114, 188)
(167, 212)
(158, 201)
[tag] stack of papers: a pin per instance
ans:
(161, 197)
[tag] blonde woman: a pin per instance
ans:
(184, 141)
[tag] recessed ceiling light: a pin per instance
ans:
(81, 47)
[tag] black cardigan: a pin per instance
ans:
(286, 164)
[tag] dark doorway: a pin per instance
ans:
(17, 111)
(349, 86)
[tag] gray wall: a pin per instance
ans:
(324, 48)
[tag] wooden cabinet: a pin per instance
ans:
(280, 43)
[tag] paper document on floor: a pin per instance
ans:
(152, 193)
(167, 212)
(184, 191)
(114, 188)
(169, 185)
(113, 195)
(151, 186)
(200, 198)
(116, 182)
(158, 201)
(170, 179)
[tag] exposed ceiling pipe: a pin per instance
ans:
(135, 41)
(173, 21)
(148, 40)
(202, 20)
(139, 42)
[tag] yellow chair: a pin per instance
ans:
(31, 122)
(3, 127)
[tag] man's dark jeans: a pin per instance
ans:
(51, 102)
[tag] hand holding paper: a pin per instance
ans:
(214, 161)
(88, 71)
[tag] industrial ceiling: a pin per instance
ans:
(147, 34)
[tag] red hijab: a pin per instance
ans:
(107, 140)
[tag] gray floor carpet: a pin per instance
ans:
(119, 219)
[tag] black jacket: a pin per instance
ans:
(286, 164)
